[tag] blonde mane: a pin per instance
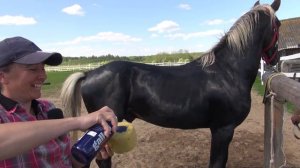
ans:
(239, 34)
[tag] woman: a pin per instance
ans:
(27, 137)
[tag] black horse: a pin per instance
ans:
(212, 91)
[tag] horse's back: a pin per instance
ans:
(105, 85)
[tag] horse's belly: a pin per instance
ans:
(176, 120)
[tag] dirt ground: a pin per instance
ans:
(159, 147)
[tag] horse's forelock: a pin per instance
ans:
(239, 35)
(267, 9)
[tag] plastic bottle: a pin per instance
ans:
(86, 148)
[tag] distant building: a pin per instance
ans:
(289, 46)
(289, 37)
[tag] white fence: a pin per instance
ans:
(83, 67)
(282, 59)
(86, 67)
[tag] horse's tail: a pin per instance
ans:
(70, 94)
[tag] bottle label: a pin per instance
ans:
(92, 133)
(98, 141)
(85, 149)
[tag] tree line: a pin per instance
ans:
(158, 58)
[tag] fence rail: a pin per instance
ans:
(289, 65)
(85, 67)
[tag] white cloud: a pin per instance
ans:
(103, 36)
(218, 21)
(74, 10)
(118, 37)
(154, 35)
(165, 26)
(184, 6)
(215, 22)
(187, 36)
(80, 50)
(16, 20)
(89, 50)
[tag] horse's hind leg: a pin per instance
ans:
(221, 138)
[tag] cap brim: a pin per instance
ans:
(41, 57)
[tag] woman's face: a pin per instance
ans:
(23, 83)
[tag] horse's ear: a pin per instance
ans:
(275, 5)
(256, 3)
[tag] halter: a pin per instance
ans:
(270, 51)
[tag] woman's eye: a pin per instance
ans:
(32, 69)
(35, 68)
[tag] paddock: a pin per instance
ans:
(174, 148)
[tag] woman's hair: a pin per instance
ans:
(5, 68)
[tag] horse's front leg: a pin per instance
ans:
(106, 163)
(221, 138)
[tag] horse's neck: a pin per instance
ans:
(253, 52)
(245, 64)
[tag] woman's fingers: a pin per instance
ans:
(295, 119)
(109, 115)
(104, 153)
(105, 126)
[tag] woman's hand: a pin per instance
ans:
(295, 119)
(104, 153)
(101, 116)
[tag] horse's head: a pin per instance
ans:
(270, 50)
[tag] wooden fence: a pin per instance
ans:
(280, 89)
(289, 65)
(85, 67)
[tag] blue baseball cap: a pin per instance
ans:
(23, 51)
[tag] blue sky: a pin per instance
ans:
(126, 27)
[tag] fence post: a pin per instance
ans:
(287, 89)
(262, 70)
(273, 137)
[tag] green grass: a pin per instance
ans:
(257, 86)
(56, 80)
